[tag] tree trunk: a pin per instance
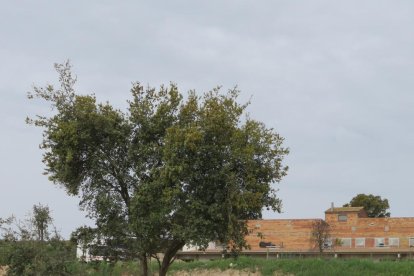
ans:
(168, 257)
(144, 265)
(166, 262)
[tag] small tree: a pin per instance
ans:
(41, 220)
(83, 237)
(321, 235)
(31, 250)
(375, 206)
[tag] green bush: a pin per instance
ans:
(40, 258)
(303, 267)
(5, 250)
(58, 258)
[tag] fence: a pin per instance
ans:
(394, 254)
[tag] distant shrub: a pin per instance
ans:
(5, 250)
(40, 258)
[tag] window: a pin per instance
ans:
(342, 217)
(379, 242)
(346, 242)
(264, 244)
(394, 242)
(360, 242)
(411, 242)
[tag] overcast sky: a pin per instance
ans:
(335, 78)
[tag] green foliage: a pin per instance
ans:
(167, 172)
(21, 260)
(41, 220)
(375, 206)
(35, 226)
(6, 249)
(83, 236)
(39, 258)
(27, 248)
(119, 268)
(301, 267)
(265, 267)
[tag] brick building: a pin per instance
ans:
(351, 230)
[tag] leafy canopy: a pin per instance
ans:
(41, 220)
(375, 206)
(168, 171)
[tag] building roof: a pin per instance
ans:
(344, 209)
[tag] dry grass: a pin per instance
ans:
(3, 270)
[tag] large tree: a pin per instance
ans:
(375, 206)
(170, 171)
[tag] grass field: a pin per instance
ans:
(305, 266)
(260, 267)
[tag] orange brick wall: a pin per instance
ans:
(295, 234)
(371, 228)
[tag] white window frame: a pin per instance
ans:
(360, 242)
(379, 241)
(411, 241)
(394, 242)
(347, 244)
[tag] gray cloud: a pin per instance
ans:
(334, 78)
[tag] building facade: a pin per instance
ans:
(350, 230)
